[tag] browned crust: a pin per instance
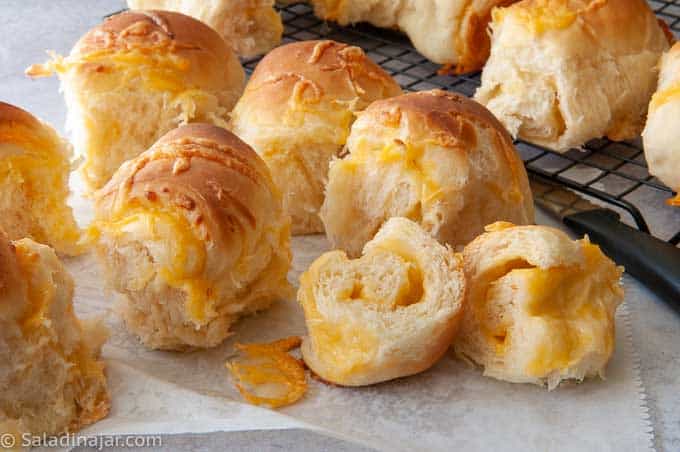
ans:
(667, 31)
(200, 140)
(211, 63)
(320, 69)
(622, 26)
(473, 45)
(210, 133)
(132, 29)
(628, 25)
(204, 170)
(452, 119)
(444, 113)
(12, 114)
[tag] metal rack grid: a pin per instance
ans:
(614, 173)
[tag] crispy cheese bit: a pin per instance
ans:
(266, 374)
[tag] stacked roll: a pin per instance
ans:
(192, 234)
(137, 76)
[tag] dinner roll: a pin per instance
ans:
(296, 112)
(34, 172)
(137, 76)
(192, 234)
(51, 378)
(390, 313)
(541, 307)
(251, 27)
(563, 72)
(451, 32)
(437, 158)
(661, 137)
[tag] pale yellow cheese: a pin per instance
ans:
(344, 345)
(186, 269)
(539, 16)
(666, 95)
(567, 300)
(411, 158)
(37, 164)
(156, 67)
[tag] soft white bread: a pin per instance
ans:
(661, 137)
(540, 307)
(563, 72)
(296, 112)
(391, 313)
(192, 234)
(51, 378)
(137, 76)
(35, 164)
(251, 27)
(451, 32)
(437, 158)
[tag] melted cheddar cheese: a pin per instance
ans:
(156, 67)
(33, 161)
(327, 122)
(343, 344)
(664, 96)
(266, 374)
(675, 200)
(539, 16)
(46, 296)
(396, 152)
(183, 264)
(104, 82)
(566, 301)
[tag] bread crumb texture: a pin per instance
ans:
(52, 379)
(541, 307)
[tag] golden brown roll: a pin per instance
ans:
(540, 307)
(563, 72)
(450, 32)
(51, 378)
(437, 158)
(137, 76)
(34, 173)
(661, 137)
(390, 313)
(251, 27)
(193, 235)
(296, 112)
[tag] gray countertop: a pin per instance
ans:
(29, 27)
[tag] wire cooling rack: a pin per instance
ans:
(615, 173)
(609, 173)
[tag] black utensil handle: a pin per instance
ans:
(652, 261)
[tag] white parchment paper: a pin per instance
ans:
(449, 407)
